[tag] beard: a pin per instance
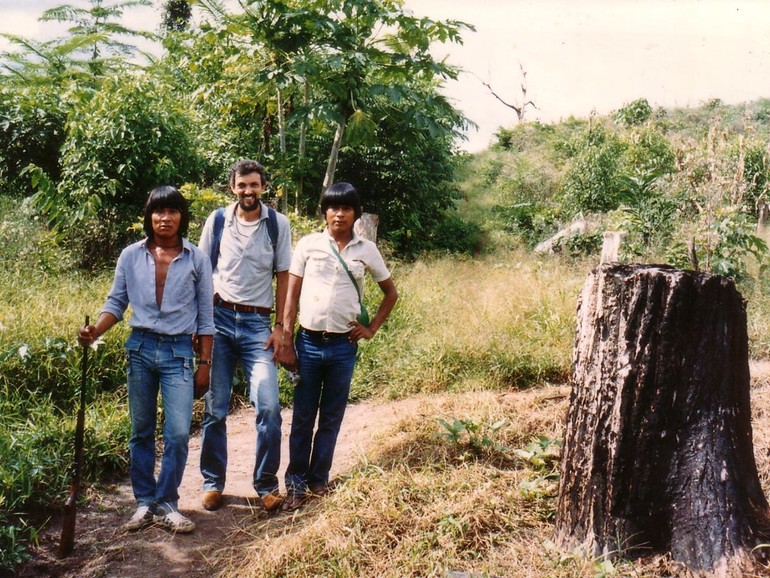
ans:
(242, 203)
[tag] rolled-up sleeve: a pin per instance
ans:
(117, 299)
(205, 294)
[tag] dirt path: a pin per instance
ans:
(103, 549)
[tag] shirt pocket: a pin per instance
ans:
(259, 253)
(358, 269)
(185, 292)
(322, 264)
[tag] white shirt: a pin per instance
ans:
(329, 300)
(244, 272)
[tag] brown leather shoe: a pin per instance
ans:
(319, 490)
(212, 500)
(271, 501)
(293, 502)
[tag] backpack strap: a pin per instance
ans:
(216, 237)
(272, 231)
(219, 225)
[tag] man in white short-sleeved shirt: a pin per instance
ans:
(326, 282)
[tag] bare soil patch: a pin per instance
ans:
(104, 549)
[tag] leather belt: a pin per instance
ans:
(324, 334)
(219, 302)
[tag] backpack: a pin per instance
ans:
(219, 225)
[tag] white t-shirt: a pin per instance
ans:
(328, 300)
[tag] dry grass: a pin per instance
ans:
(420, 506)
(490, 323)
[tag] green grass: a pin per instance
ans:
(501, 321)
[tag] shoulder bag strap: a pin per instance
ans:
(345, 266)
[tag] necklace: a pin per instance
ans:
(250, 226)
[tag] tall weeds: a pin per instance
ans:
(502, 321)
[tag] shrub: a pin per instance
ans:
(28, 245)
(528, 220)
(131, 136)
(649, 150)
(634, 113)
(31, 132)
(756, 172)
(590, 183)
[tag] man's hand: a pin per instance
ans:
(276, 341)
(288, 358)
(358, 331)
(201, 381)
(87, 335)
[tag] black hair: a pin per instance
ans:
(246, 167)
(166, 197)
(341, 194)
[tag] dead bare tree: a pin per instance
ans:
(520, 109)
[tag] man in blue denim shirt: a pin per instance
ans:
(167, 282)
(243, 303)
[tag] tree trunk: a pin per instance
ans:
(331, 165)
(367, 225)
(763, 223)
(282, 144)
(658, 452)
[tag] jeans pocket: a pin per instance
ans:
(182, 352)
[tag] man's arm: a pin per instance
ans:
(202, 375)
(288, 356)
(389, 298)
(276, 337)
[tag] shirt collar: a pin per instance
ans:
(355, 239)
(186, 245)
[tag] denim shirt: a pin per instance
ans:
(188, 297)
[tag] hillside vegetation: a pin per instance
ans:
(474, 490)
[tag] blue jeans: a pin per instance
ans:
(159, 363)
(242, 337)
(326, 369)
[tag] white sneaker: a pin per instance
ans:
(175, 521)
(141, 518)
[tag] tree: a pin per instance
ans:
(99, 28)
(125, 140)
(658, 454)
(45, 81)
(521, 108)
(377, 49)
(176, 15)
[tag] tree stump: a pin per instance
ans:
(658, 452)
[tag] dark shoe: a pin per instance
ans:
(319, 490)
(271, 501)
(293, 502)
(212, 500)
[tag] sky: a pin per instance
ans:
(579, 55)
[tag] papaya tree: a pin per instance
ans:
(377, 49)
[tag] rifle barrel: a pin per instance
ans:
(67, 541)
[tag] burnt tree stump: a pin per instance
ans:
(658, 452)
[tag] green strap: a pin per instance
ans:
(345, 266)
